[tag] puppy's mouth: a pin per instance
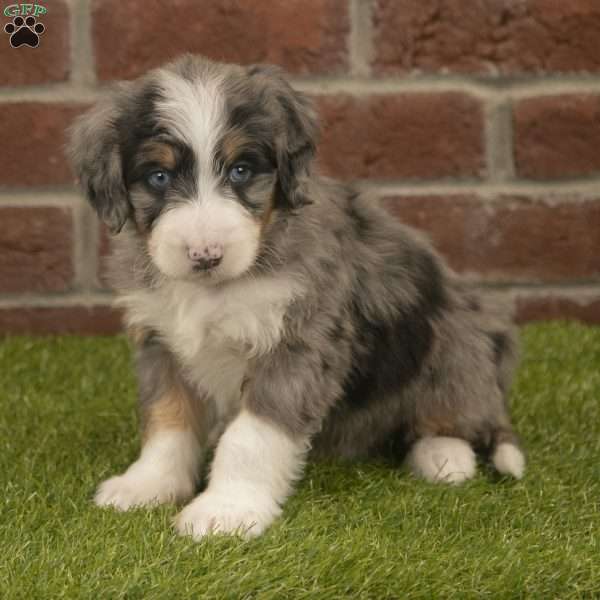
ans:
(206, 267)
(205, 274)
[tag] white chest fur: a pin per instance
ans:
(214, 331)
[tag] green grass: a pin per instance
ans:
(67, 421)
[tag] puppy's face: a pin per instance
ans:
(198, 157)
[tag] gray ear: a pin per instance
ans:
(96, 158)
(297, 142)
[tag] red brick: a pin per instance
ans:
(510, 239)
(551, 307)
(303, 36)
(35, 249)
(49, 62)
(557, 136)
(487, 36)
(95, 320)
(402, 136)
(34, 139)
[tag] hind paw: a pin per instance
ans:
(442, 459)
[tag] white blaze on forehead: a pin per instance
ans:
(194, 112)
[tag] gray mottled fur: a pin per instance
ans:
(385, 345)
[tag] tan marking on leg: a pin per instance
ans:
(437, 424)
(178, 410)
(172, 411)
(138, 335)
(169, 463)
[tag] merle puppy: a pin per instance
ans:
(275, 312)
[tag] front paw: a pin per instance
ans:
(247, 515)
(132, 489)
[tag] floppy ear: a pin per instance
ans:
(297, 140)
(96, 158)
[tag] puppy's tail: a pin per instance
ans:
(507, 456)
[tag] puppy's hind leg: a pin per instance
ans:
(169, 464)
(442, 459)
(463, 404)
(506, 455)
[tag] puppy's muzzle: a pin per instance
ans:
(207, 258)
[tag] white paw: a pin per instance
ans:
(509, 460)
(226, 514)
(132, 489)
(442, 459)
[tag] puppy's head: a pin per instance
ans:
(198, 157)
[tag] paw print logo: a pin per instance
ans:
(24, 32)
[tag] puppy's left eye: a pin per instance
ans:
(239, 173)
(159, 180)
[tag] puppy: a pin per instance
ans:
(275, 312)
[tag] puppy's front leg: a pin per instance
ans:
(262, 452)
(255, 465)
(168, 466)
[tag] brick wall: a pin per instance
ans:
(475, 120)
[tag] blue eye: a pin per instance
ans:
(239, 173)
(159, 180)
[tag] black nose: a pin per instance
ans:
(205, 263)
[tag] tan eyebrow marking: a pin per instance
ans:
(157, 152)
(232, 142)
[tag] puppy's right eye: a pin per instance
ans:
(159, 180)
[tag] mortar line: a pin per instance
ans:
(76, 249)
(579, 294)
(86, 249)
(360, 40)
(499, 141)
(570, 190)
(565, 191)
(83, 74)
(479, 281)
(88, 299)
(423, 84)
(86, 92)
(34, 197)
(77, 93)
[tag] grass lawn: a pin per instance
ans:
(67, 421)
